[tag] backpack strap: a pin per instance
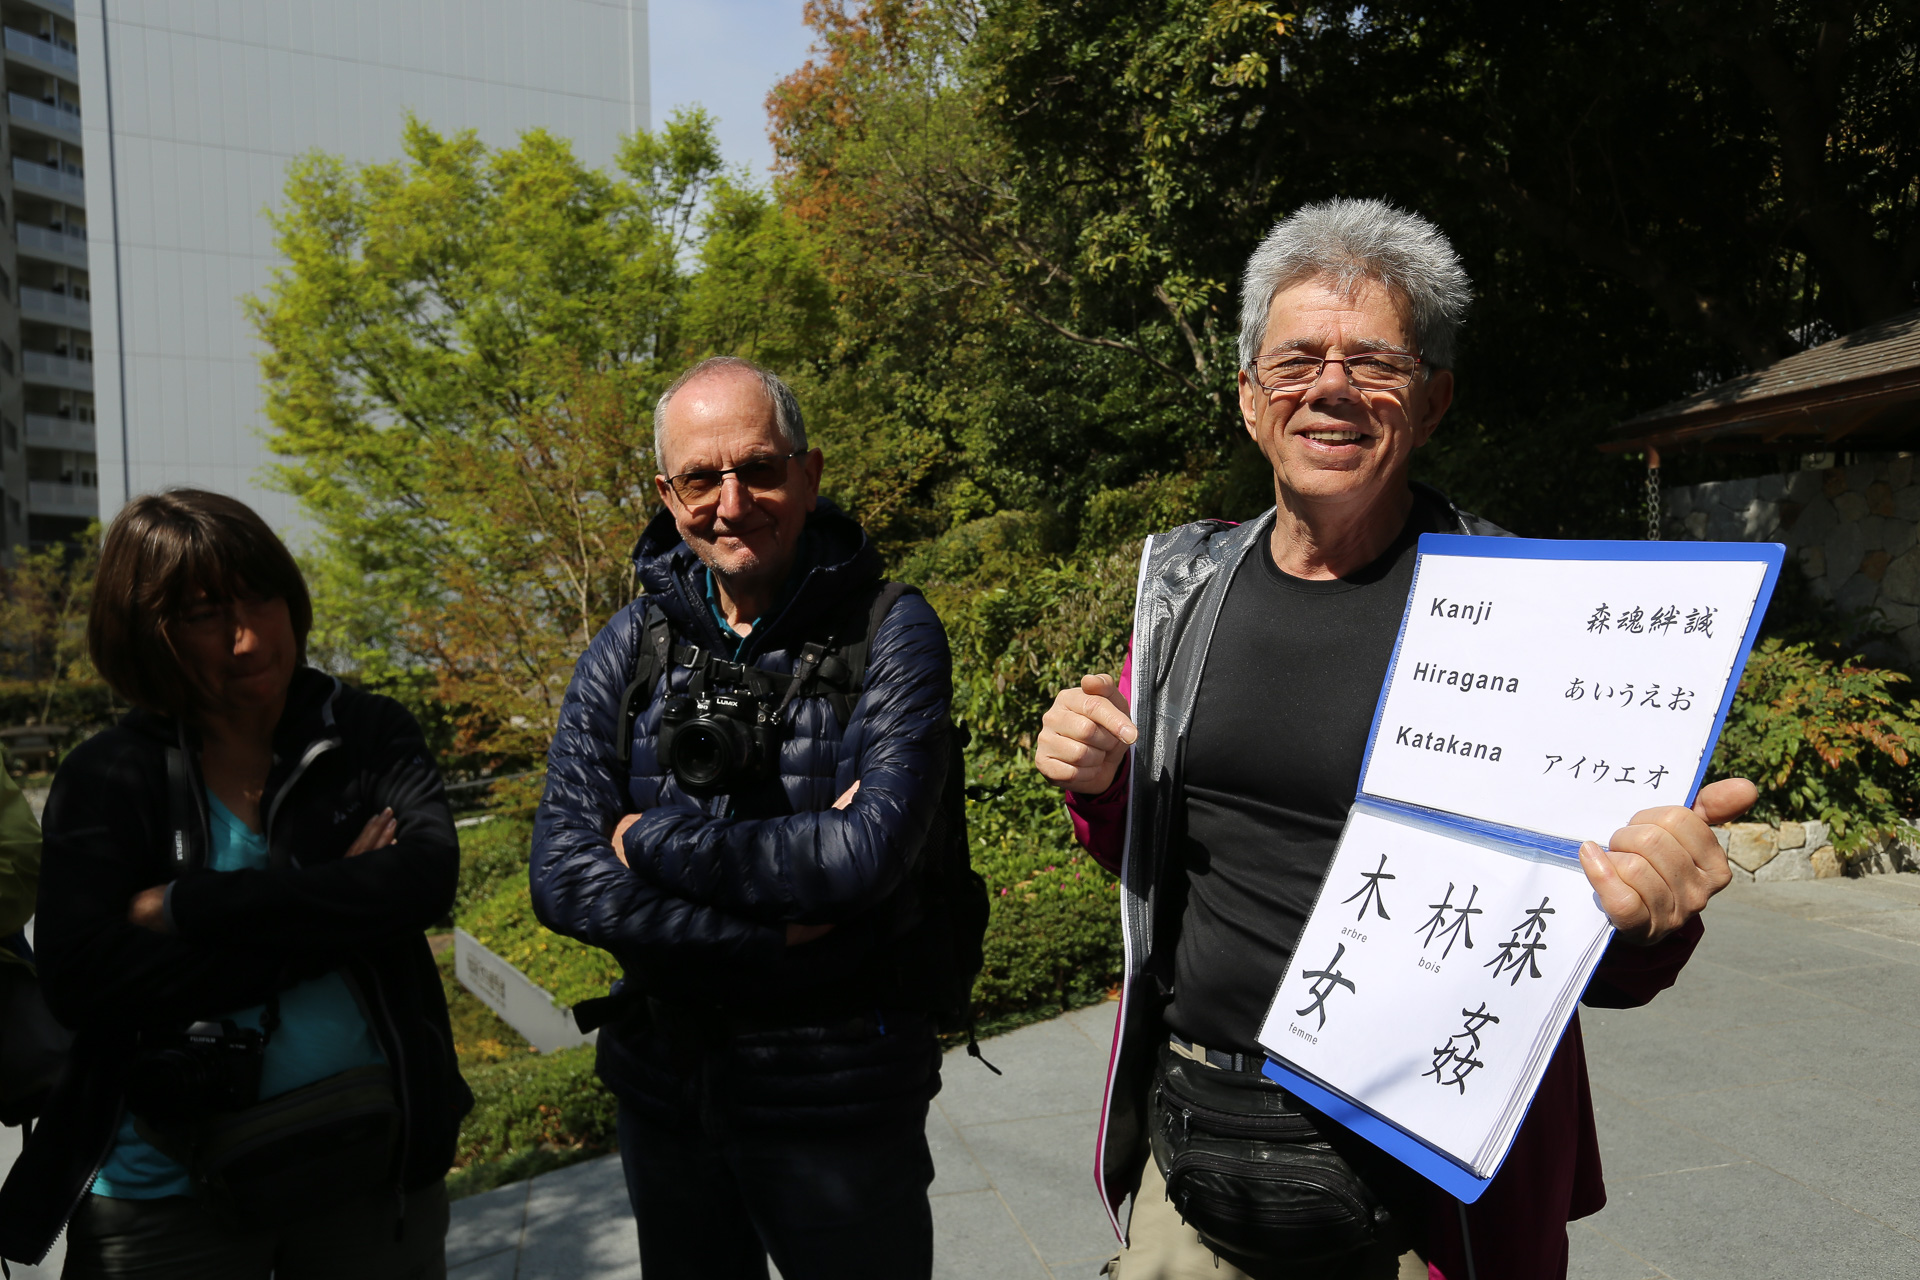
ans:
(653, 655)
(849, 679)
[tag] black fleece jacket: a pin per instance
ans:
(340, 755)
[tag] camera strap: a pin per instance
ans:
(835, 665)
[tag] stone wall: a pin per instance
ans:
(1851, 530)
(1763, 851)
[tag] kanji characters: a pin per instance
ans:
(1520, 952)
(1457, 1054)
(1461, 930)
(1325, 981)
(1370, 891)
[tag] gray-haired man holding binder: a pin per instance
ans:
(1259, 678)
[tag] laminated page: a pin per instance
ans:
(1559, 694)
(1430, 980)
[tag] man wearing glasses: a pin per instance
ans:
(737, 803)
(1219, 797)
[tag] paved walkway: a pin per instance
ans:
(1761, 1120)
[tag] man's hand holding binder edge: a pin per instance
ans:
(1543, 697)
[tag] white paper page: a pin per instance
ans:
(1559, 696)
(1425, 973)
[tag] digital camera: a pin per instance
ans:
(719, 743)
(209, 1067)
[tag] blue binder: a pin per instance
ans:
(1436, 1166)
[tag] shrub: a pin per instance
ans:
(531, 1114)
(1053, 940)
(490, 854)
(1823, 740)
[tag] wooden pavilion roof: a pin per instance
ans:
(1858, 392)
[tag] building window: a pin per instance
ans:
(9, 434)
(6, 357)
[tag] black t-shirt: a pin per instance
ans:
(1273, 761)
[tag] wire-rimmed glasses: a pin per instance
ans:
(764, 474)
(1287, 371)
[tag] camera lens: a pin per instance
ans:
(701, 754)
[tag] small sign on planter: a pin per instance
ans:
(510, 993)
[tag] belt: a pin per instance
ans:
(1214, 1057)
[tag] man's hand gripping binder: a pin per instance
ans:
(1541, 694)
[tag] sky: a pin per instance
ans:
(725, 55)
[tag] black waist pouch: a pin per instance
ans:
(291, 1155)
(1250, 1170)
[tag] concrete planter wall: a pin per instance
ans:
(1763, 851)
(1852, 530)
(512, 995)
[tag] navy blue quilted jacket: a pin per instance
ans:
(700, 918)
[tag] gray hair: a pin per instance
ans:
(1346, 241)
(786, 406)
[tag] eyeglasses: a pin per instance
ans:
(761, 475)
(1374, 371)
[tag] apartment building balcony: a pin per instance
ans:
(44, 431)
(62, 7)
(63, 247)
(51, 498)
(48, 370)
(47, 181)
(56, 121)
(41, 55)
(55, 308)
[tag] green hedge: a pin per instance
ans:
(529, 1115)
(491, 852)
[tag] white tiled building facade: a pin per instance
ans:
(145, 140)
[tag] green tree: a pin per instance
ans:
(463, 347)
(45, 596)
(1648, 196)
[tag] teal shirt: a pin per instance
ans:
(726, 628)
(322, 1033)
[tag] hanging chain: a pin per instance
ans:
(1653, 500)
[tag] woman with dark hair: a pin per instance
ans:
(234, 890)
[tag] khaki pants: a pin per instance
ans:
(1161, 1247)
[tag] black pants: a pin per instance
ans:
(840, 1205)
(173, 1238)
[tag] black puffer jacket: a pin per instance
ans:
(340, 756)
(824, 1033)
